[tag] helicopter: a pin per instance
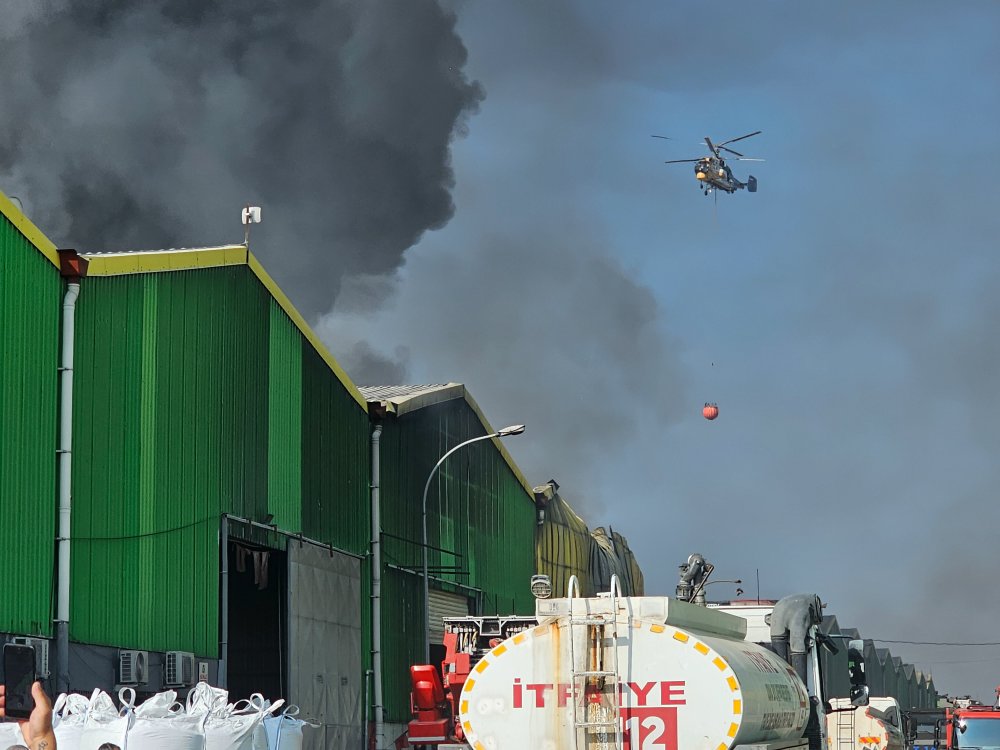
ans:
(712, 171)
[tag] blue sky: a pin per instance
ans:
(842, 317)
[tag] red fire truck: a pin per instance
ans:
(973, 727)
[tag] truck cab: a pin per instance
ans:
(973, 728)
(877, 726)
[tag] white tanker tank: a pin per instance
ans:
(642, 673)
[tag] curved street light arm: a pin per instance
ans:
(513, 430)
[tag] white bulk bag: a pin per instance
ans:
(161, 723)
(10, 734)
(69, 715)
(159, 706)
(259, 738)
(284, 732)
(235, 728)
(104, 723)
(205, 699)
(259, 733)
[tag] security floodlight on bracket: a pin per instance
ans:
(251, 215)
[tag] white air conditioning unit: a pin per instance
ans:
(178, 671)
(41, 647)
(133, 667)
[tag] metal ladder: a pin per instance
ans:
(845, 730)
(598, 671)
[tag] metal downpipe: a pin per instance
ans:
(377, 592)
(65, 485)
(223, 677)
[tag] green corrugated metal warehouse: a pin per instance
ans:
(197, 394)
(30, 291)
(221, 472)
(481, 523)
(886, 674)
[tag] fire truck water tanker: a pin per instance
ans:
(644, 673)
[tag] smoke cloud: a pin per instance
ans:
(546, 329)
(131, 125)
(841, 317)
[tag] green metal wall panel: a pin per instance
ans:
(284, 459)
(478, 512)
(402, 639)
(336, 460)
(170, 431)
(31, 293)
(197, 396)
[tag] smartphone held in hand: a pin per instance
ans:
(18, 677)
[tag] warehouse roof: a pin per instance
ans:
(403, 399)
(184, 259)
(398, 394)
(154, 261)
(398, 399)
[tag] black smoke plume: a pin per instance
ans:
(129, 124)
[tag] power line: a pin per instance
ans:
(960, 661)
(936, 643)
(914, 643)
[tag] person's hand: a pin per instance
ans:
(37, 730)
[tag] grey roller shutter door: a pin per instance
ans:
(443, 604)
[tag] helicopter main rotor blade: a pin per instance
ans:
(664, 137)
(711, 147)
(681, 161)
(748, 135)
(747, 158)
(723, 148)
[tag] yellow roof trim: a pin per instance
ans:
(500, 446)
(160, 261)
(33, 234)
(300, 322)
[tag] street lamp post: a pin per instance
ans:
(516, 429)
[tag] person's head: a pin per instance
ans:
(109, 746)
